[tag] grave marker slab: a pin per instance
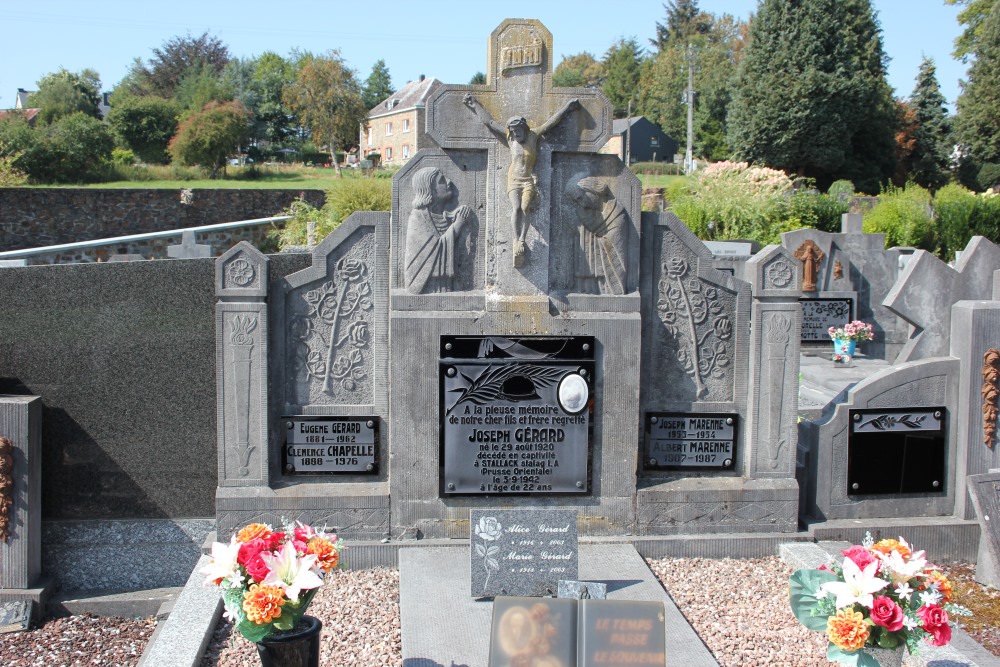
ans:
(15, 616)
(691, 440)
(189, 248)
(328, 445)
(985, 492)
(533, 631)
(818, 315)
(522, 552)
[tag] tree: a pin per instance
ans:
(932, 144)
(578, 71)
(477, 79)
(378, 85)
(622, 64)
(326, 97)
(271, 74)
(173, 61)
(201, 85)
(814, 101)
(977, 122)
(64, 93)
(75, 148)
(972, 17)
(906, 141)
(145, 125)
(208, 137)
(683, 21)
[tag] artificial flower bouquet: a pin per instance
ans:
(857, 331)
(269, 577)
(885, 595)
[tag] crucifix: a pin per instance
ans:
(543, 121)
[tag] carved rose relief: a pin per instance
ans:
(696, 321)
(333, 336)
(240, 272)
(779, 274)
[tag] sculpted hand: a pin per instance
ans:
(462, 214)
(469, 101)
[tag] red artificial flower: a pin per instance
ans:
(935, 621)
(887, 613)
(249, 557)
(861, 556)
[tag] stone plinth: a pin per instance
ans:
(20, 555)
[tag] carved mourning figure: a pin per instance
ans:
(6, 486)
(601, 262)
(522, 185)
(438, 242)
(810, 255)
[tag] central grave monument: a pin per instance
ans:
(503, 339)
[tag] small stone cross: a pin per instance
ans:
(188, 249)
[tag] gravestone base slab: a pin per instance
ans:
(356, 511)
(442, 626)
(718, 505)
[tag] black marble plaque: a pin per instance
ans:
(522, 552)
(330, 445)
(818, 315)
(690, 440)
(516, 414)
(540, 632)
(896, 451)
(621, 632)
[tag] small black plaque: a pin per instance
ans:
(818, 315)
(691, 440)
(516, 414)
(896, 451)
(330, 445)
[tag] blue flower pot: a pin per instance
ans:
(845, 347)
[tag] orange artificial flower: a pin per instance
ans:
(887, 546)
(263, 603)
(943, 585)
(847, 630)
(253, 531)
(327, 555)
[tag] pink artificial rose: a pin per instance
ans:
(935, 621)
(887, 613)
(861, 556)
(249, 557)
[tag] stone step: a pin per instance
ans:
(128, 604)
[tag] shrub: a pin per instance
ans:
(345, 197)
(122, 156)
(954, 208)
(904, 216)
(841, 188)
(10, 175)
(989, 175)
(818, 211)
(209, 136)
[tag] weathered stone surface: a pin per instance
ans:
(985, 492)
(20, 552)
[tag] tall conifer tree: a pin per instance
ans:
(932, 133)
(978, 121)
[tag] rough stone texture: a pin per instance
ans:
(803, 555)
(975, 328)
(927, 288)
(20, 555)
(927, 383)
(984, 490)
(47, 216)
(868, 269)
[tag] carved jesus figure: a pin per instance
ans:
(522, 186)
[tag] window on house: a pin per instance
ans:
(406, 125)
(369, 136)
(406, 150)
(388, 153)
(388, 129)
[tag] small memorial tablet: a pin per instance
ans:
(896, 451)
(540, 632)
(329, 445)
(620, 632)
(516, 414)
(522, 552)
(818, 315)
(690, 440)
(15, 616)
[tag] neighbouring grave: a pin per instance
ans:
(522, 552)
(547, 632)
(985, 492)
(189, 248)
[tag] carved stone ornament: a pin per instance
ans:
(694, 316)
(991, 389)
(240, 272)
(241, 359)
(779, 274)
(838, 270)
(810, 255)
(6, 486)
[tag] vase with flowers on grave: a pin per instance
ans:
(268, 578)
(846, 339)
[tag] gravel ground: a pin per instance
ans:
(738, 607)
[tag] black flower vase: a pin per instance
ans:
(295, 648)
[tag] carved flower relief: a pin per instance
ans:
(350, 269)
(242, 326)
(780, 274)
(241, 272)
(723, 328)
(777, 328)
(676, 267)
(359, 333)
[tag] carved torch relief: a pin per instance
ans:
(6, 486)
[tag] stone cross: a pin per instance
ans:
(519, 93)
(189, 249)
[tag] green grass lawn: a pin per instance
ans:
(268, 177)
(657, 180)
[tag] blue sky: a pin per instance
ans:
(444, 39)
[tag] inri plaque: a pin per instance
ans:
(317, 445)
(690, 440)
(516, 414)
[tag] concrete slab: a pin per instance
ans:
(129, 604)
(443, 627)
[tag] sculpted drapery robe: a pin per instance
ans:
(603, 254)
(435, 250)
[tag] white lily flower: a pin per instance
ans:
(904, 591)
(290, 572)
(901, 570)
(930, 597)
(223, 565)
(858, 585)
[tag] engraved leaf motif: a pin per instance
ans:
(489, 385)
(480, 550)
(492, 550)
(492, 563)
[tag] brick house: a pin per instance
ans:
(396, 125)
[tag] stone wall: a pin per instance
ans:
(32, 217)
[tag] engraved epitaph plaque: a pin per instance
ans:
(621, 632)
(533, 631)
(516, 414)
(690, 440)
(896, 451)
(818, 315)
(330, 445)
(522, 552)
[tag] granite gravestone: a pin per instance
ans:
(189, 248)
(522, 552)
(985, 492)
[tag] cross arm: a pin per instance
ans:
(483, 115)
(571, 105)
